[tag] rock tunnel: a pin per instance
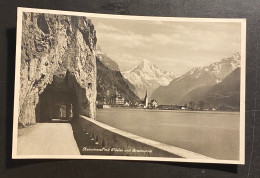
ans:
(62, 100)
(58, 68)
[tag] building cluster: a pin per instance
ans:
(119, 101)
(146, 104)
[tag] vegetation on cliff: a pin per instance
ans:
(111, 83)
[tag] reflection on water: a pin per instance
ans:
(214, 134)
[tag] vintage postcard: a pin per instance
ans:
(98, 86)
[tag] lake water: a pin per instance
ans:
(214, 134)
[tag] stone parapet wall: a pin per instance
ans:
(111, 138)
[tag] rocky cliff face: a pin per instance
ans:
(61, 47)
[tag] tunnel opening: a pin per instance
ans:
(61, 101)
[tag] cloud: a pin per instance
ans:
(106, 28)
(126, 60)
(127, 39)
(177, 46)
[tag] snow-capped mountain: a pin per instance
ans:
(194, 83)
(147, 76)
(218, 70)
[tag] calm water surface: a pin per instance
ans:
(214, 134)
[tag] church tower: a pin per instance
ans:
(146, 100)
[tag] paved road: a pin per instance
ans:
(48, 139)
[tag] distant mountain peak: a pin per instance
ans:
(236, 56)
(145, 61)
(147, 75)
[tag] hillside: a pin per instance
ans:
(108, 62)
(110, 83)
(225, 94)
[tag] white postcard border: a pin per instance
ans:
(129, 17)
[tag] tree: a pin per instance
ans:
(191, 105)
(201, 104)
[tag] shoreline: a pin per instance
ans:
(171, 110)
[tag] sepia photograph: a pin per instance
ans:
(100, 86)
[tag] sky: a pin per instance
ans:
(176, 47)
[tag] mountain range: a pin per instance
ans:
(196, 84)
(216, 85)
(147, 77)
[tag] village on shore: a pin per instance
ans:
(120, 101)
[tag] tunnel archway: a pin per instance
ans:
(61, 101)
